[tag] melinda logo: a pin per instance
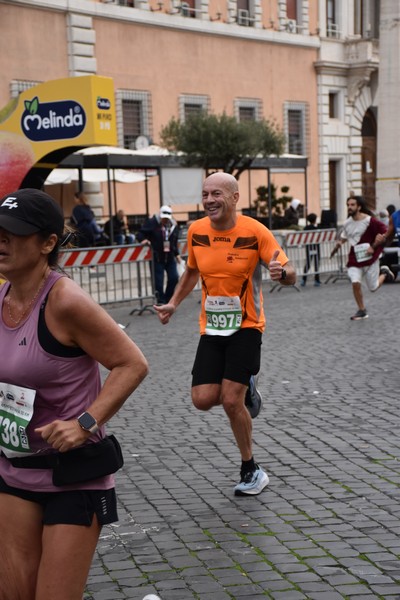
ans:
(52, 120)
(103, 103)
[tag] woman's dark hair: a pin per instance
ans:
(66, 241)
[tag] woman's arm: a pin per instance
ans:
(75, 319)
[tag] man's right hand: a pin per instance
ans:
(336, 248)
(164, 312)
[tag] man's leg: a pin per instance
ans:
(231, 395)
(358, 295)
(355, 275)
(172, 279)
(159, 281)
(253, 478)
(239, 353)
(232, 398)
(316, 264)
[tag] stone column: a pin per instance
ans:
(82, 61)
(388, 159)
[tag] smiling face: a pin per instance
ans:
(220, 196)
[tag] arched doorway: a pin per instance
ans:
(368, 157)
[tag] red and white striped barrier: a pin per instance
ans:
(318, 236)
(183, 247)
(104, 256)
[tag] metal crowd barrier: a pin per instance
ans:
(295, 245)
(318, 245)
(112, 274)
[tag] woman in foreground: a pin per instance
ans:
(53, 503)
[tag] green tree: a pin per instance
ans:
(278, 204)
(221, 142)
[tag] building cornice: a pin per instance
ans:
(158, 19)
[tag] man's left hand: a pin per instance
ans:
(275, 267)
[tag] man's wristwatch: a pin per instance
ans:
(283, 275)
(88, 423)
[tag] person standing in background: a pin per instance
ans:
(292, 213)
(312, 253)
(161, 232)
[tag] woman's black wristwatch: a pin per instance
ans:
(88, 423)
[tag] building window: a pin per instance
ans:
(293, 16)
(133, 116)
(248, 109)
(191, 105)
(188, 9)
(366, 18)
(18, 86)
(130, 3)
(295, 128)
(245, 14)
(291, 9)
(333, 105)
(332, 27)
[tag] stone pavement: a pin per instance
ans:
(327, 526)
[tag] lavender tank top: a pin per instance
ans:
(65, 387)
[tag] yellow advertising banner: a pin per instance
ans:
(51, 120)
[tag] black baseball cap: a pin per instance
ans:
(28, 211)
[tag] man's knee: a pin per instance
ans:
(205, 397)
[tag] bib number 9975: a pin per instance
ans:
(223, 314)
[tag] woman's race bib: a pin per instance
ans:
(361, 253)
(16, 410)
(224, 315)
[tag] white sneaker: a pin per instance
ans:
(252, 483)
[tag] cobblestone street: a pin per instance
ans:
(327, 526)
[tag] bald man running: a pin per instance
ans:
(226, 250)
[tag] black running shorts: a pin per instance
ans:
(70, 508)
(234, 357)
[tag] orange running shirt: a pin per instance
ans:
(230, 264)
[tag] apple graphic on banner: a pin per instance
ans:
(16, 158)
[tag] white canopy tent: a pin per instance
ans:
(61, 175)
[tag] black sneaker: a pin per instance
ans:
(253, 397)
(389, 276)
(360, 314)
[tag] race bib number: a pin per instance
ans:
(361, 253)
(224, 315)
(16, 410)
